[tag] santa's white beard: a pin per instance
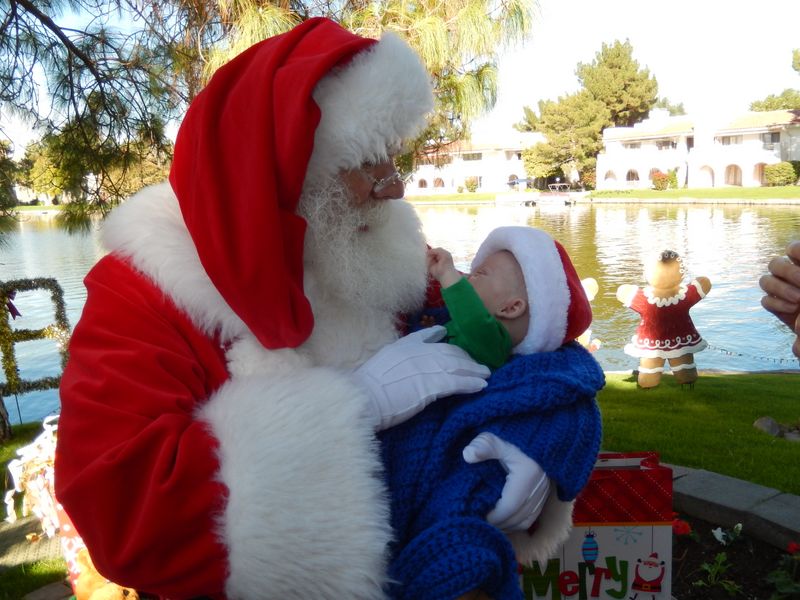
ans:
(363, 266)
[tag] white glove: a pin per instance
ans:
(407, 375)
(526, 488)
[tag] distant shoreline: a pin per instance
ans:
(549, 200)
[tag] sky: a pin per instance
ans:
(714, 56)
(711, 55)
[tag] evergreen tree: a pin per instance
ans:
(573, 127)
(616, 79)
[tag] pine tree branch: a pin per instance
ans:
(62, 37)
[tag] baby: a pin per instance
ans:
(518, 312)
(488, 309)
(517, 272)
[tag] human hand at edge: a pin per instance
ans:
(782, 286)
(526, 488)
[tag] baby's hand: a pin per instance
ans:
(441, 267)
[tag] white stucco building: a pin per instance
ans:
(709, 153)
(493, 158)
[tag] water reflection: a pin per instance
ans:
(728, 244)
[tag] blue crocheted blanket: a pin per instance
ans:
(542, 403)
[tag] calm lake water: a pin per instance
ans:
(729, 244)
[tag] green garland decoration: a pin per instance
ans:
(58, 331)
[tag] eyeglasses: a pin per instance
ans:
(379, 185)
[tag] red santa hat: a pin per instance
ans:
(558, 306)
(317, 98)
(651, 560)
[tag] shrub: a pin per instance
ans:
(781, 173)
(589, 180)
(460, 189)
(471, 183)
(796, 165)
(660, 180)
(673, 179)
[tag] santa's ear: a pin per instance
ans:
(514, 308)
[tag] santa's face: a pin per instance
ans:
(649, 570)
(364, 262)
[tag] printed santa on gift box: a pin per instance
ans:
(666, 331)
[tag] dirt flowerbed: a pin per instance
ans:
(734, 566)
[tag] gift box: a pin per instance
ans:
(621, 542)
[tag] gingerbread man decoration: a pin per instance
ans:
(666, 331)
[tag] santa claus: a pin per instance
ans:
(239, 346)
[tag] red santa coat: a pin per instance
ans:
(666, 330)
(188, 476)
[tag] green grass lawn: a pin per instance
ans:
(709, 427)
(18, 581)
(759, 193)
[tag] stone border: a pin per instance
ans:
(765, 513)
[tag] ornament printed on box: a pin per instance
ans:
(665, 332)
(589, 548)
(648, 577)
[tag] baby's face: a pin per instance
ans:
(497, 280)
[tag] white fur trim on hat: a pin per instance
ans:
(545, 280)
(370, 106)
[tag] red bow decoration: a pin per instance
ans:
(10, 306)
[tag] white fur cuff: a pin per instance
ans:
(307, 515)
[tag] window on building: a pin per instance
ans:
(632, 145)
(666, 144)
(771, 140)
(731, 140)
(633, 175)
(438, 182)
(472, 156)
(423, 183)
(690, 142)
